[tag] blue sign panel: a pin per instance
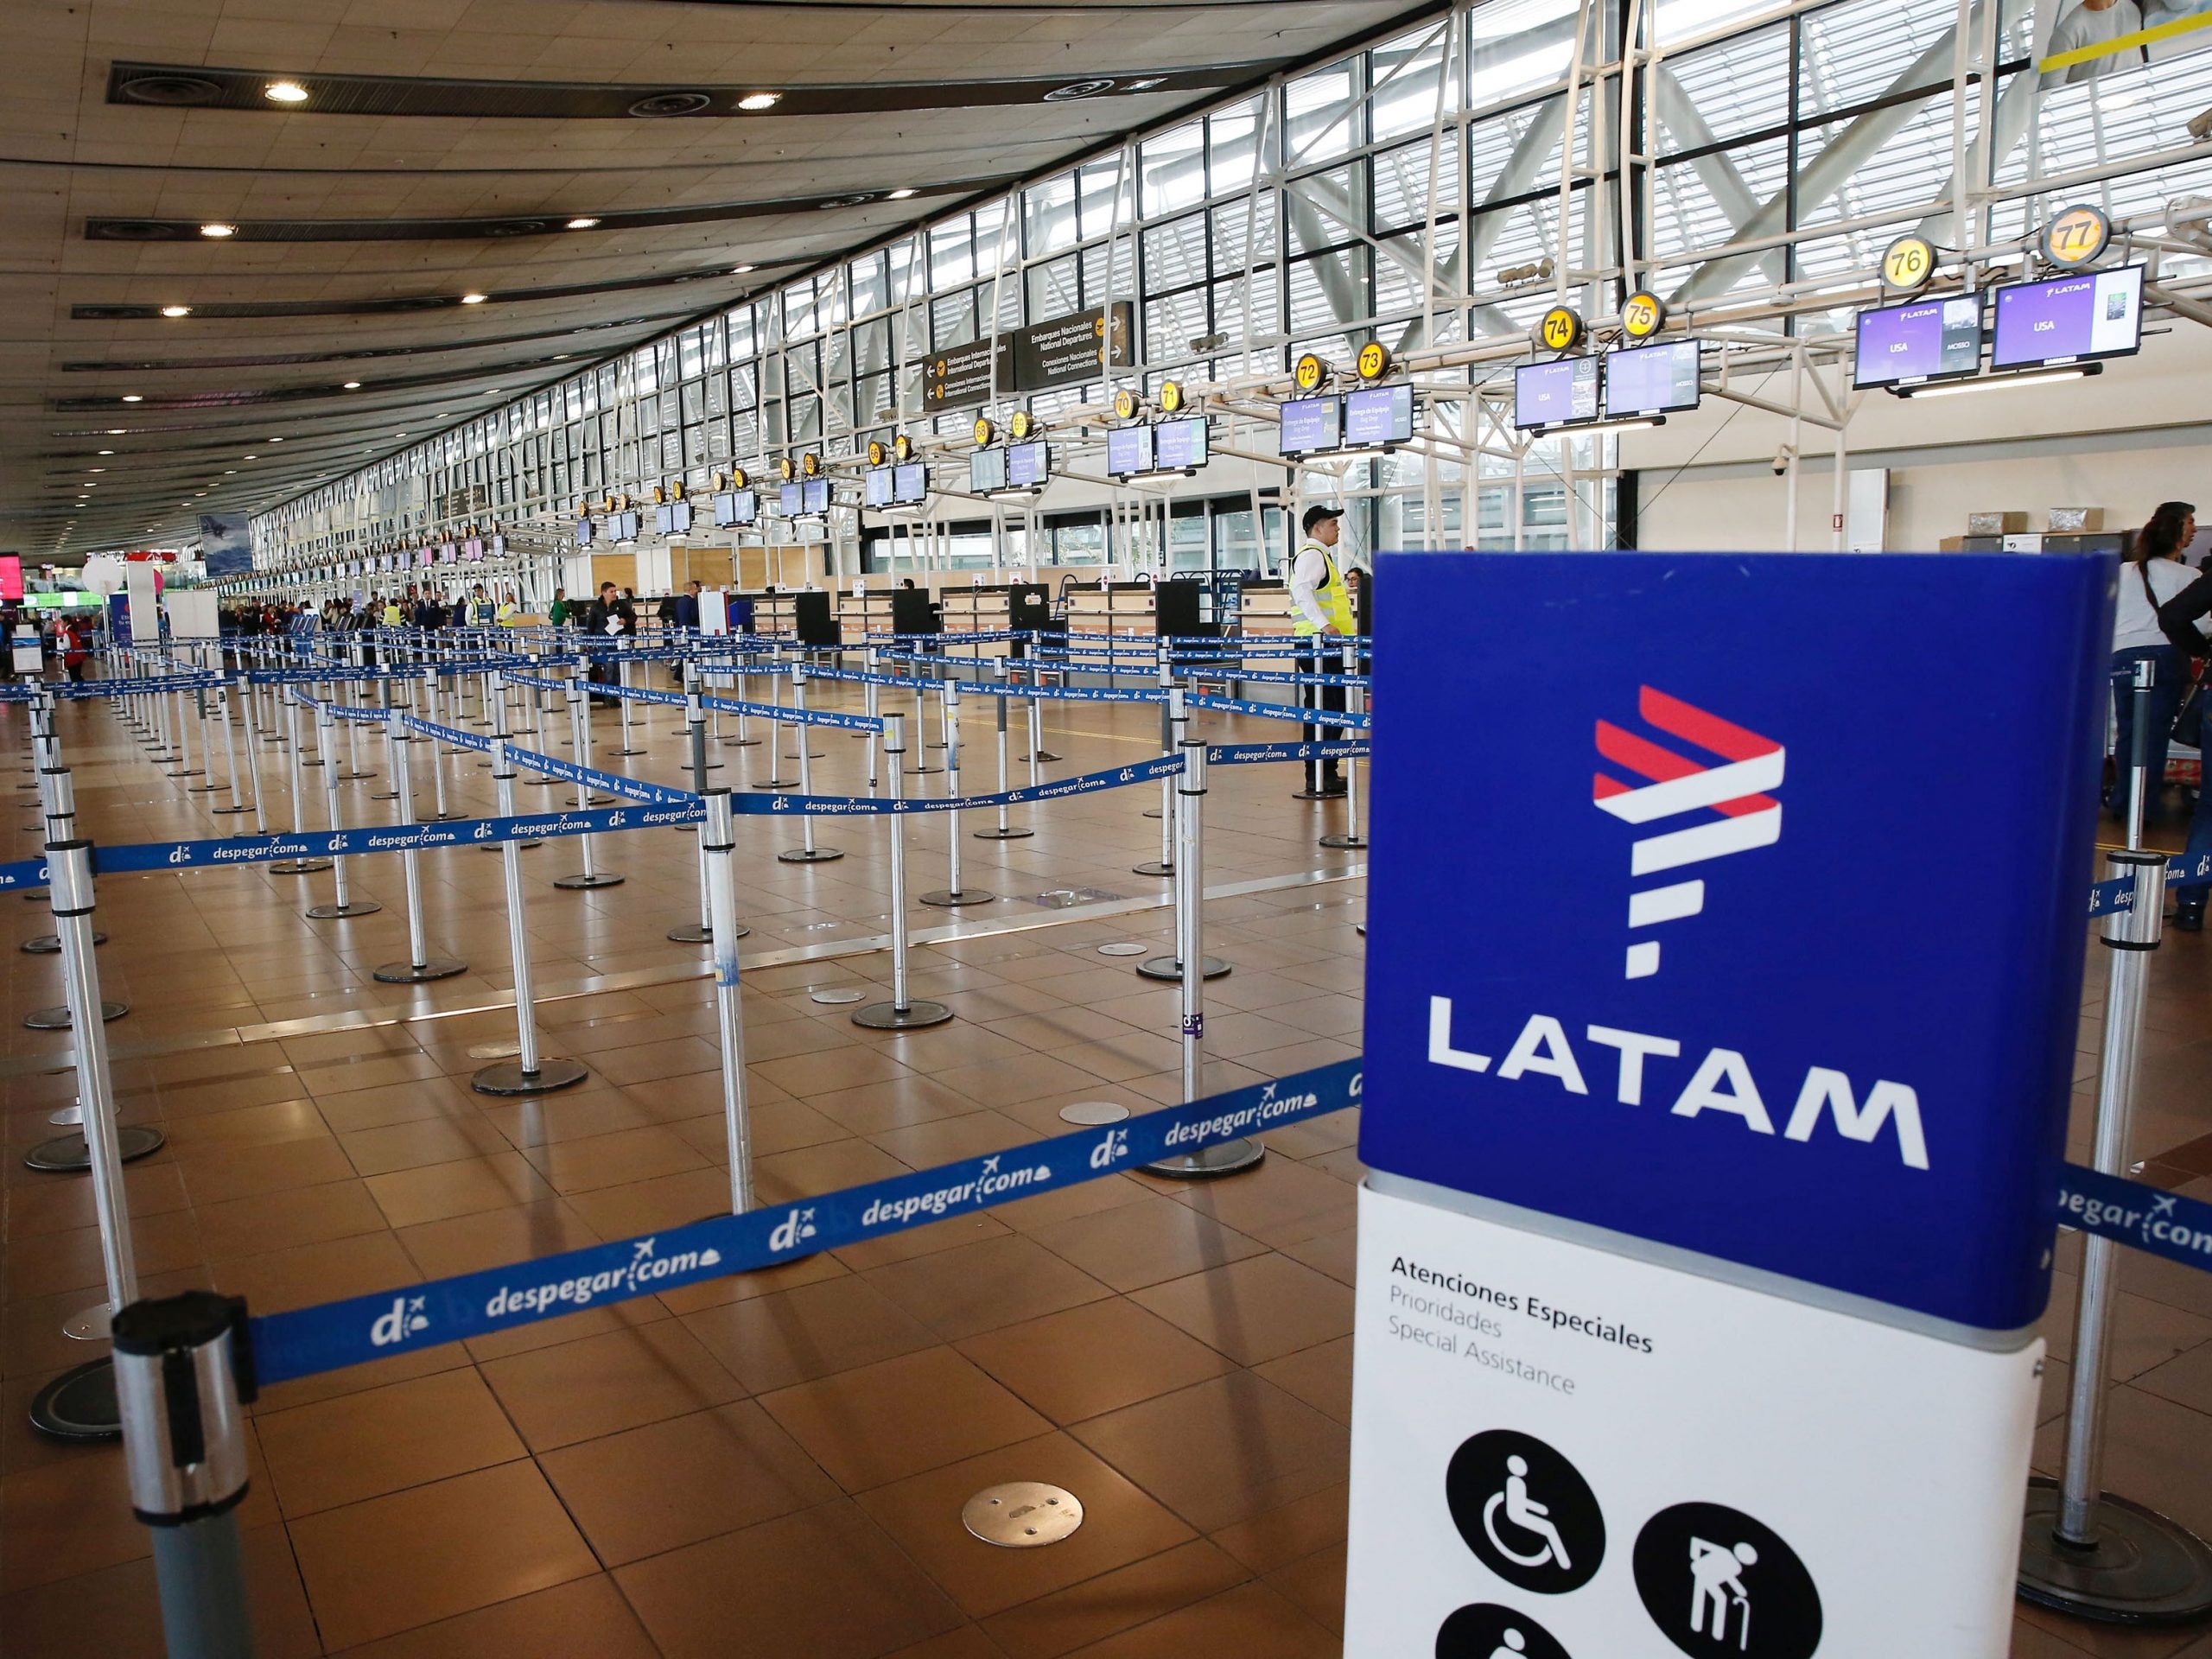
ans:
(1666, 936)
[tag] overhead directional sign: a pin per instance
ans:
(1062, 351)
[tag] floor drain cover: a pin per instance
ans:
(494, 1051)
(1022, 1514)
(1123, 948)
(1093, 1111)
(1068, 898)
(837, 995)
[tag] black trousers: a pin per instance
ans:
(1318, 657)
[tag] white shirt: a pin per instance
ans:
(1309, 572)
(2134, 623)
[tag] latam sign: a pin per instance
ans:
(1683, 943)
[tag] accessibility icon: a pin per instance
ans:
(1716, 1581)
(1486, 1631)
(1525, 1512)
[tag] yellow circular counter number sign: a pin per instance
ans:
(984, 432)
(875, 452)
(810, 464)
(2076, 236)
(1311, 372)
(902, 447)
(1373, 360)
(1562, 328)
(1021, 425)
(785, 470)
(737, 478)
(1171, 396)
(1907, 263)
(1125, 405)
(1642, 315)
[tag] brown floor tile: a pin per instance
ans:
(613, 1159)
(1121, 1525)
(77, 1513)
(409, 1146)
(1272, 1538)
(771, 1342)
(847, 1067)
(873, 1108)
(381, 1440)
(1320, 1376)
(1093, 1359)
(585, 1618)
(981, 1286)
(1255, 1310)
(1251, 1618)
(307, 1273)
(1142, 1243)
(711, 1473)
(888, 1421)
(948, 1139)
(823, 1584)
(494, 1237)
(408, 1102)
(407, 1197)
(1116, 1601)
(432, 1552)
(115, 1612)
(1007, 1083)
(599, 1385)
(1223, 1451)
(812, 1170)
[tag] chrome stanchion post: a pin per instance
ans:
(1355, 702)
(953, 895)
(206, 744)
(436, 697)
(326, 723)
(57, 797)
(2138, 765)
(2084, 1550)
(901, 1012)
(64, 1016)
(419, 967)
(703, 930)
(302, 866)
(775, 779)
(1001, 831)
(869, 703)
(580, 746)
(537, 699)
(623, 660)
(1230, 1156)
(1171, 734)
(806, 852)
(921, 766)
(180, 1381)
(1170, 968)
(231, 754)
(717, 845)
(79, 1404)
(528, 1073)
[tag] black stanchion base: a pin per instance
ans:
(808, 855)
(1009, 833)
(383, 795)
(580, 883)
(540, 783)
(311, 760)
(1343, 844)
(191, 771)
(494, 846)
(507, 1077)
(340, 913)
(1152, 812)
(298, 865)
(349, 777)
(884, 1016)
(79, 1406)
(947, 899)
(58, 1019)
(923, 772)
(1321, 795)
(775, 783)
(737, 742)
(699, 933)
(1208, 1164)
(1045, 755)
(1167, 968)
(1153, 866)
(227, 812)
(69, 1153)
(49, 944)
(811, 755)
(203, 789)
(2143, 1569)
(407, 973)
(625, 752)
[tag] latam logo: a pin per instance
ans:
(1733, 785)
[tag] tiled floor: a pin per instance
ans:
(774, 1465)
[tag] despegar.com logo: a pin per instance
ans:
(1733, 786)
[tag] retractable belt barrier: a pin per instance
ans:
(1279, 711)
(309, 1340)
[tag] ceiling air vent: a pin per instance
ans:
(667, 103)
(518, 227)
(171, 89)
(859, 200)
(1075, 89)
(134, 229)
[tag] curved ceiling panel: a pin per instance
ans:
(172, 86)
(581, 220)
(233, 310)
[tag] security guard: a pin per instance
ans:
(1321, 603)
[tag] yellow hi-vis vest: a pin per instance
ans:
(1336, 599)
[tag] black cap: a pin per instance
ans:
(1316, 513)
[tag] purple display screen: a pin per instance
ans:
(909, 484)
(1179, 446)
(1128, 450)
(1652, 380)
(875, 486)
(1378, 415)
(1310, 423)
(790, 499)
(1545, 394)
(1923, 340)
(2093, 313)
(817, 495)
(1027, 464)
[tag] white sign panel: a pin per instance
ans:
(1560, 1452)
(139, 584)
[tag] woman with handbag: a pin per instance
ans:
(2152, 575)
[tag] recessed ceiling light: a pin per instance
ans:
(252, 457)
(276, 439)
(759, 100)
(217, 228)
(107, 451)
(740, 271)
(176, 310)
(228, 471)
(900, 195)
(132, 397)
(353, 386)
(582, 223)
(472, 299)
(399, 435)
(285, 91)
(96, 469)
